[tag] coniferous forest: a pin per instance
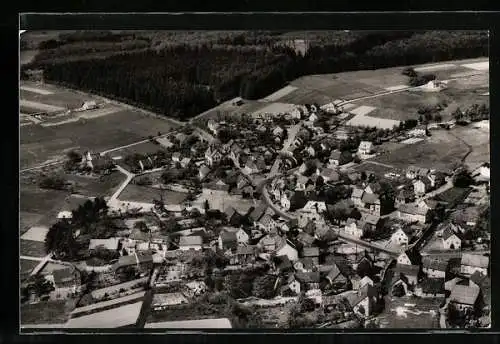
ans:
(182, 79)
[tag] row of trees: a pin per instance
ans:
(181, 81)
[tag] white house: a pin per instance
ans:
(89, 105)
(418, 131)
(315, 207)
(287, 250)
(434, 268)
(471, 263)
(352, 228)
(421, 186)
(464, 296)
(403, 259)
(399, 237)
(285, 199)
(365, 148)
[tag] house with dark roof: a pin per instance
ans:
(412, 213)
(266, 223)
(308, 280)
(244, 255)
(68, 278)
(305, 239)
(464, 297)
(409, 271)
(365, 301)
(256, 214)
(405, 196)
(143, 261)
(371, 204)
(233, 217)
(471, 263)
(356, 196)
(431, 288)
(311, 252)
(334, 159)
(421, 186)
(227, 240)
(434, 267)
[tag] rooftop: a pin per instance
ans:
(464, 294)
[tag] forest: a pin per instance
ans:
(183, 79)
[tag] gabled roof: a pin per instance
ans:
(190, 240)
(371, 219)
(464, 294)
(375, 187)
(219, 185)
(305, 238)
(475, 260)
(310, 252)
(407, 270)
(335, 155)
(366, 291)
(330, 173)
(228, 237)
(258, 212)
(265, 220)
(412, 209)
(302, 180)
(434, 263)
(357, 193)
(448, 233)
(246, 250)
(308, 277)
(370, 198)
(64, 275)
(426, 181)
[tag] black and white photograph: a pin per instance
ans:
(254, 179)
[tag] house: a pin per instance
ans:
(235, 151)
(304, 265)
(365, 148)
(187, 243)
(399, 237)
(413, 172)
(233, 217)
(421, 186)
(399, 285)
(334, 159)
(365, 301)
(285, 248)
(370, 203)
(110, 244)
(98, 162)
(410, 272)
(163, 301)
(250, 167)
(450, 240)
(203, 172)
(408, 258)
(185, 162)
(310, 280)
(428, 204)
(293, 284)
(256, 214)
(419, 131)
(312, 253)
(305, 239)
(353, 228)
(412, 213)
(244, 255)
(465, 297)
(336, 276)
(143, 261)
(227, 240)
(213, 126)
(286, 199)
(270, 242)
(302, 182)
(330, 175)
(404, 196)
(356, 196)
(315, 207)
(434, 267)
(213, 156)
(437, 179)
(89, 105)
(467, 217)
(471, 263)
(195, 288)
(369, 222)
(266, 223)
(67, 279)
(431, 288)
(176, 157)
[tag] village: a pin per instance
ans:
(287, 217)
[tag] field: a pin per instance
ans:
(96, 187)
(32, 248)
(477, 135)
(26, 266)
(39, 144)
(141, 148)
(50, 312)
(409, 312)
(227, 109)
(440, 151)
(144, 194)
(453, 196)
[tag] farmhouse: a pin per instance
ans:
(421, 186)
(405, 196)
(365, 301)
(413, 172)
(450, 240)
(187, 243)
(399, 237)
(353, 228)
(434, 267)
(412, 213)
(227, 240)
(464, 297)
(419, 131)
(471, 263)
(365, 148)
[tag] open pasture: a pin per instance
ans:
(440, 151)
(147, 147)
(145, 194)
(39, 144)
(96, 187)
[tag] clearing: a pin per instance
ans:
(96, 186)
(49, 312)
(440, 152)
(144, 194)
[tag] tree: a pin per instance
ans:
(409, 71)
(40, 285)
(60, 240)
(458, 115)
(462, 178)
(263, 286)
(438, 118)
(207, 206)
(53, 182)
(142, 226)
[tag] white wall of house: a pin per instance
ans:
(403, 259)
(190, 247)
(288, 251)
(469, 270)
(452, 243)
(431, 273)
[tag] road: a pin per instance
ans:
(122, 187)
(452, 254)
(43, 261)
(292, 133)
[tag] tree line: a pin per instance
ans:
(181, 81)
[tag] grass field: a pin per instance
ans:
(440, 151)
(26, 266)
(479, 138)
(96, 187)
(50, 312)
(39, 144)
(32, 248)
(144, 194)
(142, 148)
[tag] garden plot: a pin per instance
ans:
(276, 108)
(32, 248)
(144, 194)
(36, 234)
(367, 121)
(40, 106)
(280, 93)
(362, 110)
